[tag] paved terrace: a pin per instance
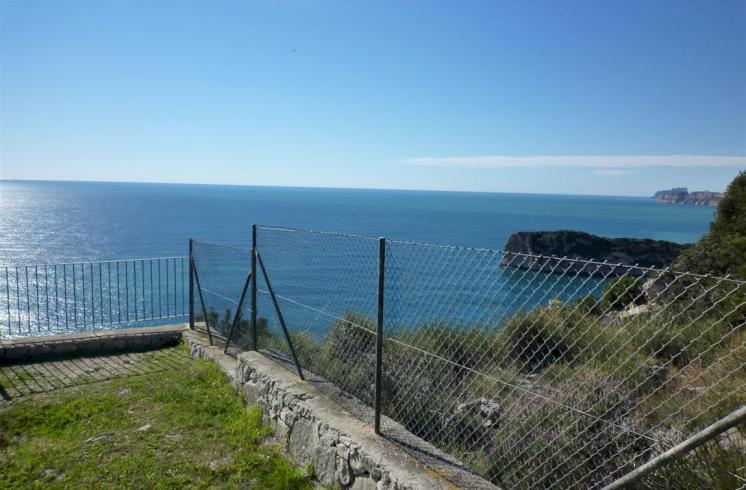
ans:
(42, 364)
(22, 380)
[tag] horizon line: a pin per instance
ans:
(95, 181)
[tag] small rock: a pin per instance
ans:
(484, 410)
(99, 437)
(555, 303)
(53, 474)
(145, 428)
(124, 392)
(217, 463)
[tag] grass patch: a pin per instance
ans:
(172, 429)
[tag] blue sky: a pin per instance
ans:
(581, 97)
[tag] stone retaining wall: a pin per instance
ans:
(313, 428)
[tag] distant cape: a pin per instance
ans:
(681, 195)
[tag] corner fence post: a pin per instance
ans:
(379, 332)
(253, 287)
(191, 283)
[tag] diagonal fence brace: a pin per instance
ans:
(201, 300)
(279, 315)
(631, 479)
(237, 316)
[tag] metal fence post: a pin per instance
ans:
(191, 284)
(253, 287)
(379, 332)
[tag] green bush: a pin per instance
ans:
(621, 292)
(561, 335)
(588, 304)
(723, 249)
(466, 347)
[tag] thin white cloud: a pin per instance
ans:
(589, 161)
(613, 172)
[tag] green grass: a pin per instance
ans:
(201, 435)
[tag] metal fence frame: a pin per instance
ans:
(53, 299)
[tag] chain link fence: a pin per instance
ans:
(220, 271)
(534, 371)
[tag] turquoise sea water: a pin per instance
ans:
(47, 222)
(318, 276)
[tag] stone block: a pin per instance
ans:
(301, 441)
(363, 483)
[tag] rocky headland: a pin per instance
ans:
(544, 250)
(681, 195)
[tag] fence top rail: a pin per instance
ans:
(637, 267)
(222, 245)
(316, 232)
(87, 262)
(504, 253)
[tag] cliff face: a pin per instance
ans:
(576, 244)
(681, 195)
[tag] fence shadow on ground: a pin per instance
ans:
(20, 380)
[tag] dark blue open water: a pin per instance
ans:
(46, 222)
(319, 277)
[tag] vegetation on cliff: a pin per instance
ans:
(723, 249)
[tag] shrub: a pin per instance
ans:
(559, 335)
(550, 441)
(723, 249)
(466, 347)
(588, 304)
(621, 292)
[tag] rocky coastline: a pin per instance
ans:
(553, 251)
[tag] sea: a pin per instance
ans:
(52, 222)
(318, 278)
